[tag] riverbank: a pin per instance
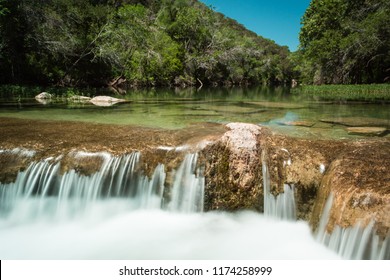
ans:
(373, 93)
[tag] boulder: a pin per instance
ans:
(43, 95)
(105, 101)
(233, 169)
(43, 98)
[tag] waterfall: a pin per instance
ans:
(283, 205)
(42, 190)
(118, 193)
(188, 187)
(356, 242)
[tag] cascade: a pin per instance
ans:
(354, 242)
(136, 203)
(283, 205)
(188, 187)
(42, 189)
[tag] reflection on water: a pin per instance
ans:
(172, 109)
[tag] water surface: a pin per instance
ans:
(172, 109)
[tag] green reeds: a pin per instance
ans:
(363, 93)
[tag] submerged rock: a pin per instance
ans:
(358, 121)
(368, 131)
(277, 105)
(79, 98)
(105, 101)
(296, 123)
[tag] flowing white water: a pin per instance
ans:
(44, 189)
(355, 242)
(188, 187)
(158, 234)
(281, 206)
(119, 213)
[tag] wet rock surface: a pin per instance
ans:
(356, 121)
(360, 183)
(105, 101)
(54, 138)
(233, 170)
(11, 161)
(296, 123)
(355, 171)
(368, 131)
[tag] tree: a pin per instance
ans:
(345, 41)
(145, 42)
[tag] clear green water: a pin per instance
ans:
(172, 109)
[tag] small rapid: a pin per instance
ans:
(120, 212)
(71, 193)
(356, 242)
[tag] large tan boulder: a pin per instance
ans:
(233, 169)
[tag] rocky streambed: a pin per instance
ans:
(232, 156)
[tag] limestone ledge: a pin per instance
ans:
(354, 171)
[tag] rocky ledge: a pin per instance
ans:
(355, 172)
(233, 156)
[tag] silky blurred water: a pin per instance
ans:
(113, 231)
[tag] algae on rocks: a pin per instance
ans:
(233, 170)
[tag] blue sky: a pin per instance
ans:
(278, 20)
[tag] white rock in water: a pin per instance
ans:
(43, 95)
(105, 100)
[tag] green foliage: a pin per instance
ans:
(144, 42)
(366, 93)
(3, 9)
(345, 41)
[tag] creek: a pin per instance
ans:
(122, 211)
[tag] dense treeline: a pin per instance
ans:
(136, 42)
(345, 42)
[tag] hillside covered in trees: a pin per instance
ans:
(185, 43)
(141, 42)
(345, 42)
